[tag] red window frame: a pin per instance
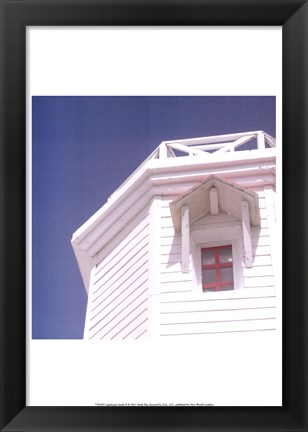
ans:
(217, 266)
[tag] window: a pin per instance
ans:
(217, 268)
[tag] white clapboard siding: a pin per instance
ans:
(135, 234)
(167, 232)
(130, 281)
(166, 222)
(171, 259)
(170, 240)
(262, 260)
(183, 286)
(217, 316)
(125, 322)
(178, 276)
(137, 265)
(258, 232)
(118, 305)
(132, 260)
(171, 249)
(260, 250)
(258, 271)
(124, 297)
(260, 241)
(217, 305)
(173, 267)
(219, 327)
(261, 281)
(127, 254)
(139, 331)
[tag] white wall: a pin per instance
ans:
(185, 310)
(118, 295)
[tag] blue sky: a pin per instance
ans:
(83, 148)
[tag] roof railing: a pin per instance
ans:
(206, 147)
(214, 145)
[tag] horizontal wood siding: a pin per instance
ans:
(118, 304)
(261, 274)
(185, 311)
(230, 312)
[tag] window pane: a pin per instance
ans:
(227, 288)
(226, 274)
(209, 289)
(208, 276)
(225, 254)
(207, 256)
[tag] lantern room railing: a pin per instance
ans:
(207, 148)
(214, 145)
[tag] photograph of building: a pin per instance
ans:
(186, 245)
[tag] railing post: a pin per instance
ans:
(163, 150)
(261, 140)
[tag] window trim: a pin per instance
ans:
(210, 237)
(217, 266)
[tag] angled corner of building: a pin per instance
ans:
(185, 246)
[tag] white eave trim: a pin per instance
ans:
(153, 173)
(201, 200)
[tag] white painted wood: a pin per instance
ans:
(257, 232)
(90, 298)
(230, 197)
(260, 241)
(174, 276)
(168, 241)
(261, 251)
(130, 324)
(168, 232)
(233, 145)
(213, 139)
(140, 331)
(262, 260)
(218, 305)
(131, 233)
(188, 150)
(166, 222)
(154, 266)
(216, 316)
(125, 323)
(214, 201)
(169, 287)
(163, 151)
(126, 300)
(246, 233)
(116, 267)
(270, 140)
(219, 327)
(140, 260)
(118, 292)
(260, 281)
(257, 271)
(201, 297)
(171, 259)
(270, 215)
(261, 140)
(175, 267)
(185, 239)
(249, 177)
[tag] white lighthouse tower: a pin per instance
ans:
(186, 245)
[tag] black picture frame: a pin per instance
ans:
(15, 16)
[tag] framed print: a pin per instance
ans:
(144, 282)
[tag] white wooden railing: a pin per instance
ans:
(214, 145)
(206, 147)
